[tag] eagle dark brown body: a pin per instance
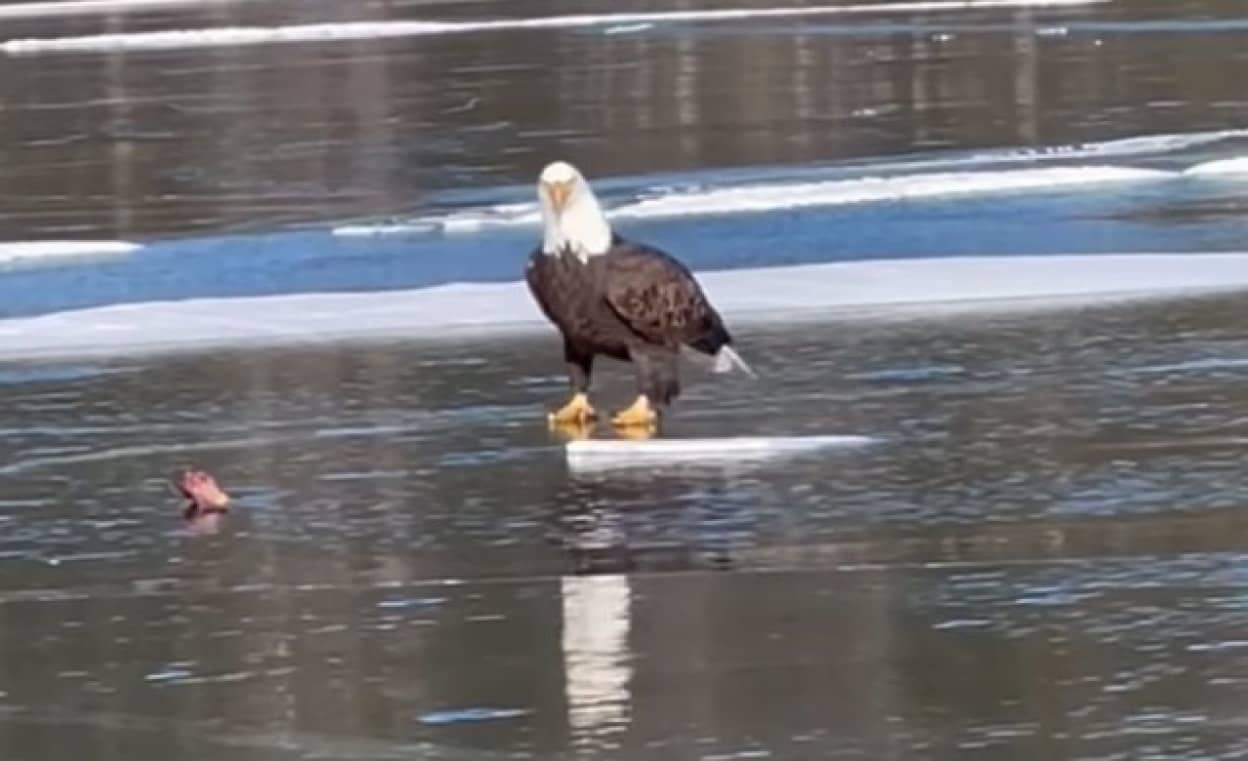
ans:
(633, 303)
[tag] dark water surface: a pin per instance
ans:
(166, 142)
(1041, 555)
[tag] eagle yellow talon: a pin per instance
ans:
(566, 432)
(637, 432)
(576, 412)
(638, 414)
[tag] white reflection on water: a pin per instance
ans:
(596, 622)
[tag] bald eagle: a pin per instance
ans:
(618, 298)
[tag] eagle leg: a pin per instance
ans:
(576, 412)
(638, 414)
(656, 380)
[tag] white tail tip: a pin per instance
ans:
(727, 359)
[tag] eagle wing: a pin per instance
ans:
(534, 273)
(658, 299)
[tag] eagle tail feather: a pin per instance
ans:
(727, 359)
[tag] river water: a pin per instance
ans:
(299, 245)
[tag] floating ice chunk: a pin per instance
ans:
(456, 716)
(381, 230)
(614, 453)
(36, 250)
(1221, 167)
(627, 28)
(167, 676)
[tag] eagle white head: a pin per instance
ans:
(571, 215)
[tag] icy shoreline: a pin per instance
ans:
(843, 290)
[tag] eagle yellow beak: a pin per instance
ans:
(559, 192)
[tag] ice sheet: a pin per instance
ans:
(331, 32)
(844, 290)
(761, 197)
(85, 7)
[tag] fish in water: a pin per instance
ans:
(203, 495)
(618, 298)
